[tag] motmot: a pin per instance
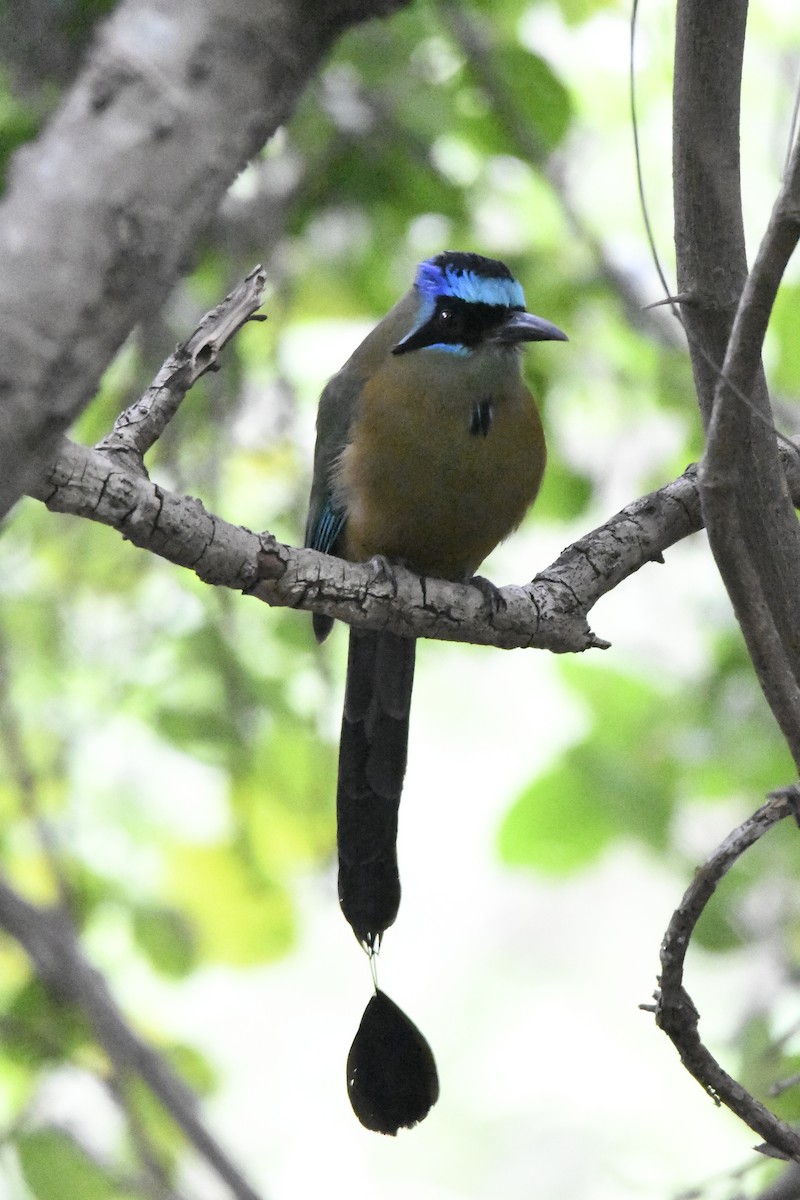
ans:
(429, 452)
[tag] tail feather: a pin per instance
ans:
(372, 764)
(394, 676)
(322, 626)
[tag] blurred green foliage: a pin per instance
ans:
(178, 742)
(54, 1166)
(652, 748)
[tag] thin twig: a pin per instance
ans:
(643, 205)
(139, 427)
(675, 1012)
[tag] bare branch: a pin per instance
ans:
(675, 1012)
(709, 232)
(139, 427)
(550, 612)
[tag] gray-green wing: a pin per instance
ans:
(337, 408)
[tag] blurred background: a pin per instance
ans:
(170, 750)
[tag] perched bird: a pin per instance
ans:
(429, 452)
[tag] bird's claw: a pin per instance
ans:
(493, 601)
(383, 571)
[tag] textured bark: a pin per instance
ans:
(752, 528)
(101, 213)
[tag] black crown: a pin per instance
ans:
(461, 263)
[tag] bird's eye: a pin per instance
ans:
(446, 316)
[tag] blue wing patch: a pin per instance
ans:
(327, 530)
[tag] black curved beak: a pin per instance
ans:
(525, 327)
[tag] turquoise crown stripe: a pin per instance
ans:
(434, 279)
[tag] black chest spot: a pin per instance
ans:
(482, 417)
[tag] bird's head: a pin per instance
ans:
(466, 302)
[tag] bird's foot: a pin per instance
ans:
(383, 571)
(493, 601)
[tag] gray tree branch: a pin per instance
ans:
(752, 528)
(548, 613)
(101, 213)
(675, 1012)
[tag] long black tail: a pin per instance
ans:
(372, 764)
(392, 1080)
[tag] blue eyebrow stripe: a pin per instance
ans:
(432, 280)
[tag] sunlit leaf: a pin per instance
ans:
(55, 1166)
(165, 936)
(783, 339)
(237, 915)
(539, 95)
(192, 1066)
(619, 781)
(18, 124)
(556, 825)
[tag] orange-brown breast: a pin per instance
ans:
(418, 485)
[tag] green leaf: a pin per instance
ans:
(540, 97)
(162, 1133)
(55, 1167)
(575, 12)
(621, 780)
(192, 1066)
(764, 1062)
(37, 1029)
(554, 826)
(286, 800)
(18, 124)
(565, 494)
(239, 917)
(165, 937)
(783, 337)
